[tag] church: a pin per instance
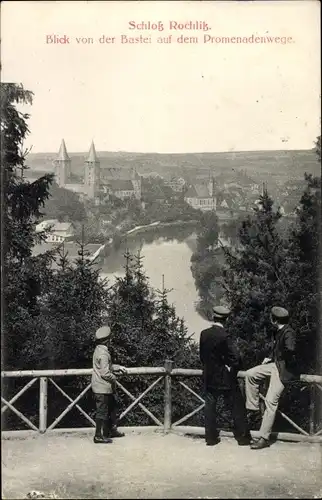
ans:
(95, 185)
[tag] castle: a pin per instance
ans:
(95, 184)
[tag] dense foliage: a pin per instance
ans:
(206, 264)
(268, 263)
(64, 205)
(253, 279)
(53, 306)
(264, 266)
(23, 201)
(303, 293)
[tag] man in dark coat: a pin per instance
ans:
(221, 362)
(280, 367)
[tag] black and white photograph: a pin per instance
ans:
(160, 249)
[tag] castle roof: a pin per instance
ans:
(92, 156)
(63, 155)
(121, 185)
(198, 191)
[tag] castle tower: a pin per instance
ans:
(62, 166)
(92, 173)
(137, 184)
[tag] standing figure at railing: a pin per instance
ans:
(280, 367)
(103, 387)
(221, 362)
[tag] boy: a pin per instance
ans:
(103, 387)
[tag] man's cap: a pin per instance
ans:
(103, 333)
(220, 312)
(279, 312)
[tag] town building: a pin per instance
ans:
(202, 196)
(121, 188)
(124, 188)
(59, 231)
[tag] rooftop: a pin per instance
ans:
(149, 464)
(121, 185)
(54, 225)
(62, 226)
(198, 191)
(68, 247)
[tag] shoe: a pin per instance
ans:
(102, 440)
(116, 434)
(212, 442)
(260, 444)
(99, 433)
(245, 441)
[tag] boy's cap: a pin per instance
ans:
(103, 333)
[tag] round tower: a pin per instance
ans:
(62, 166)
(92, 173)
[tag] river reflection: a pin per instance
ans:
(169, 256)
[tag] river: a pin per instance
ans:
(169, 257)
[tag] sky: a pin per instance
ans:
(166, 97)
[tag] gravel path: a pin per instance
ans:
(152, 465)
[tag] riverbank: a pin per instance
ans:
(162, 225)
(116, 242)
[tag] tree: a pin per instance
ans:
(230, 230)
(270, 263)
(254, 279)
(303, 295)
(90, 231)
(269, 269)
(207, 236)
(131, 314)
(146, 331)
(64, 205)
(206, 263)
(73, 307)
(23, 274)
(52, 312)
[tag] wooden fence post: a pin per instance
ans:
(312, 409)
(167, 396)
(43, 391)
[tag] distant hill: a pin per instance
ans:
(260, 165)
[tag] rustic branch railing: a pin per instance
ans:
(168, 374)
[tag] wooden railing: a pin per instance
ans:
(167, 375)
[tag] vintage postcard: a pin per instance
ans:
(161, 202)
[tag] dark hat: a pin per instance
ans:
(279, 313)
(220, 312)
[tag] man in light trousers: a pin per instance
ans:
(281, 369)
